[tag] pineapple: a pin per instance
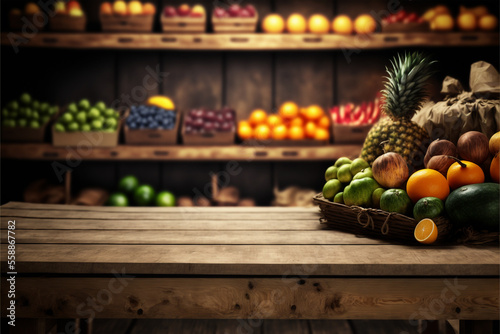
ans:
(404, 94)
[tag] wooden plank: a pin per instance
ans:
(252, 41)
(245, 214)
(257, 298)
(182, 153)
(155, 237)
(153, 225)
(372, 260)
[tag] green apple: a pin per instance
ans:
(25, 99)
(67, 118)
(81, 117)
(96, 125)
(59, 127)
(101, 106)
(34, 124)
(13, 105)
(72, 108)
(22, 122)
(86, 128)
(94, 113)
(110, 123)
(35, 105)
(73, 126)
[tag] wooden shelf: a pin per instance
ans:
(181, 153)
(256, 41)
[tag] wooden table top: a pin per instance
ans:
(62, 239)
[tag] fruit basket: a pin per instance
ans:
(150, 136)
(235, 19)
(132, 23)
(64, 22)
(405, 27)
(209, 127)
(25, 135)
(183, 24)
(374, 222)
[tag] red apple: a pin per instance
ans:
(234, 10)
(412, 17)
(251, 9)
(220, 12)
(400, 15)
(245, 13)
(183, 10)
(170, 11)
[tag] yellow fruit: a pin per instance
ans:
(429, 15)
(296, 24)
(120, 7)
(480, 11)
(318, 24)
(273, 23)
(135, 7)
(364, 24)
(467, 22)
(31, 8)
(426, 231)
(441, 9)
(442, 22)
(488, 22)
(342, 24)
(161, 102)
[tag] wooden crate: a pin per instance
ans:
(26, 134)
(183, 24)
(16, 23)
(63, 22)
(152, 136)
(235, 24)
(132, 23)
(350, 134)
(405, 27)
(214, 138)
(285, 142)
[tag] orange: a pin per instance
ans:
(318, 24)
(148, 9)
(262, 132)
(296, 24)
(488, 22)
(245, 131)
(135, 7)
(279, 132)
(297, 121)
(322, 134)
(467, 22)
(442, 22)
(296, 133)
(120, 7)
(289, 110)
(310, 129)
(324, 122)
(342, 24)
(274, 120)
(441, 9)
(258, 116)
(314, 112)
(273, 23)
(106, 8)
(495, 168)
(364, 24)
(426, 231)
(460, 176)
(427, 183)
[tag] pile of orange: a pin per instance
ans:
(291, 122)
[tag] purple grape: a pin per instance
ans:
(219, 117)
(210, 115)
(198, 123)
(228, 116)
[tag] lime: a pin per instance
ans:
(81, 117)
(331, 188)
(35, 115)
(35, 105)
(44, 107)
(13, 105)
(342, 161)
(59, 127)
(395, 200)
(109, 112)
(67, 118)
(73, 126)
(144, 195)
(110, 123)
(85, 128)
(366, 172)
(72, 108)
(428, 207)
(94, 113)
(53, 110)
(377, 193)
(96, 125)
(34, 124)
(22, 122)
(25, 99)
(339, 198)
(165, 198)
(84, 104)
(128, 184)
(101, 106)
(358, 165)
(360, 191)
(344, 173)
(118, 199)
(331, 173)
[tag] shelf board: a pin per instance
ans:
(255, 41)
(258, 152)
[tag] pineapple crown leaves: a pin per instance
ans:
(404, 90)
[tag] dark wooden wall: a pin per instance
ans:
(243, 80)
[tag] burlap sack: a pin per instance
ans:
(462, 111)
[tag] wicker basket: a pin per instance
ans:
(374, 222)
